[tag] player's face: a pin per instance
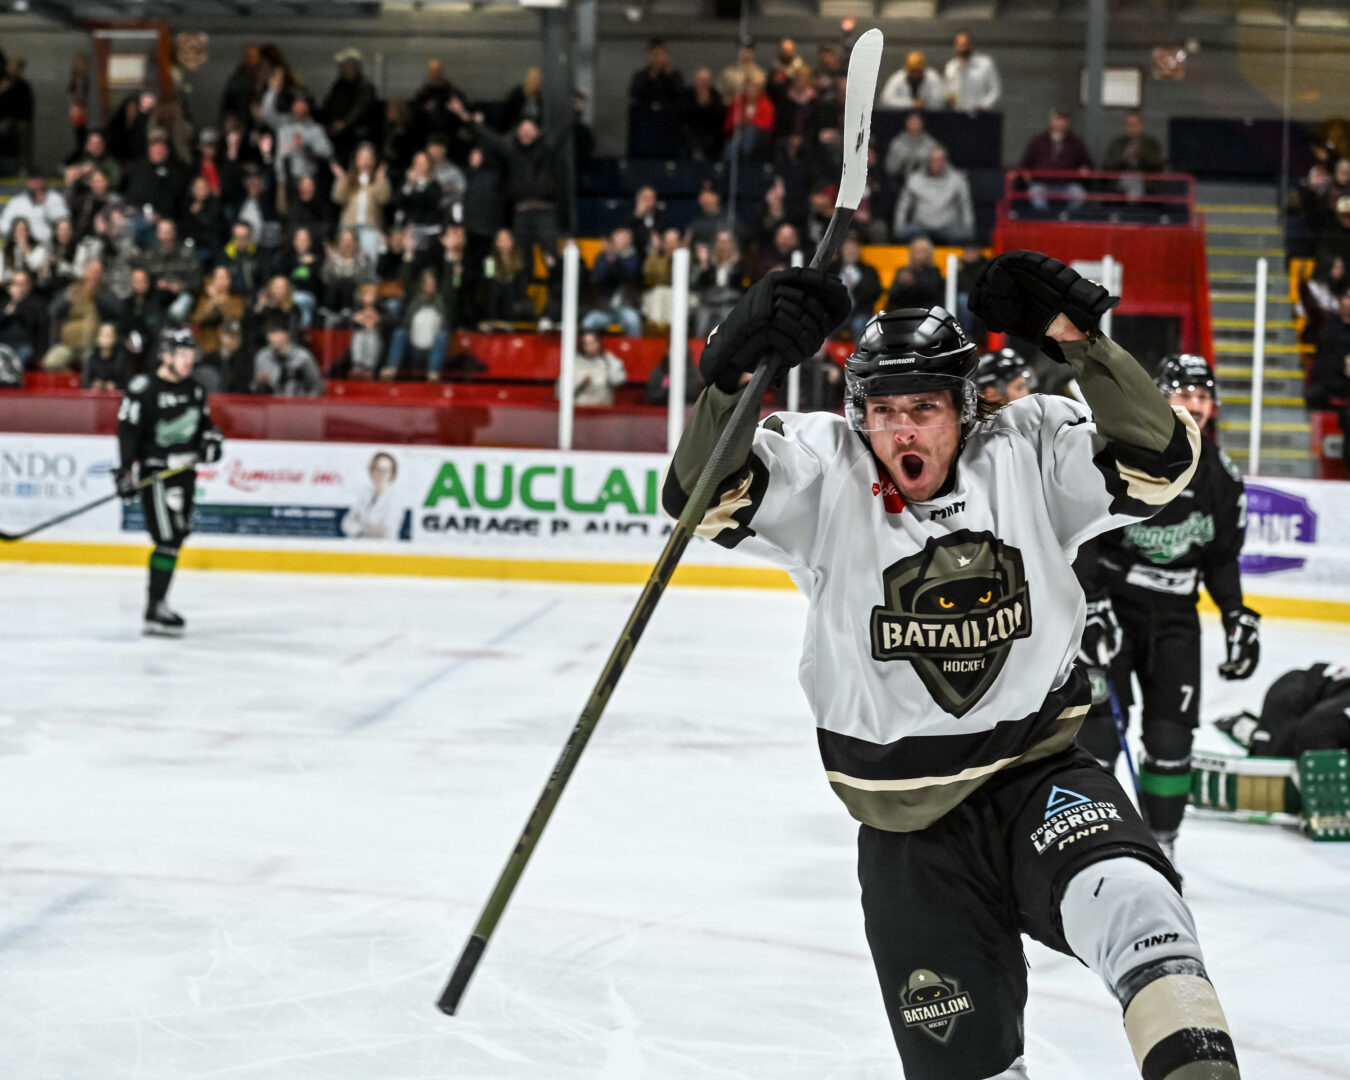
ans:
(1197, 401)
(915, 436)
(1018, 388)
(180, 362)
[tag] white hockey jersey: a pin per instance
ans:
(941, 636)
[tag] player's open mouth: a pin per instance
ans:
(912, 464)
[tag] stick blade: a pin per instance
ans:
(459, 981)
(864, 64)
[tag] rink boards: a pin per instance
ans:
(515, 514)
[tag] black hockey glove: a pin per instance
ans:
(1021, 292)
(785, 315)
(125, 478)
(1242, 637)
(213, 445)
(1102, 636)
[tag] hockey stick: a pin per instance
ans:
(862, 81)
(1122, 728)
(154, 478)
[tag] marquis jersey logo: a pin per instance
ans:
(953, 611)
(933, 1003)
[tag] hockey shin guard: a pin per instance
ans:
(162, 562)
(1125, 921)
(1164, 786)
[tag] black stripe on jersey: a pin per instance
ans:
(918, 756)
(1192, 1046)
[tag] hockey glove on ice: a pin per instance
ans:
(786, 315)
(125, 478)
(213, 445)
(1102, 636)
(1021, 292)
(1242, 638)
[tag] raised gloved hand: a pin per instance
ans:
(1021, 292)
(213, 445)
(1102, 636)
(1242, 640)
(786, 315)
(126, 479)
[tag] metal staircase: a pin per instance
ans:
(1242, 224)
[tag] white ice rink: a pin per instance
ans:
(257, 851)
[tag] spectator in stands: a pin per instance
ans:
(349, 105)
(1056, 149)
(749, 124)
(719, 281)
(458, 277)
(657, 390)
(283, 368)
(22, 252)
(446, 173)
(207, 163)
(909, 149)
(418, 205)
(710, 221)
(876, 209)
(77, 313)
(919, 282)
(1329, 385)
(863, 284)
(273, 304)
(1310, 200)
(399, 138)
(244, 88)
(203, 222)
(23, 319)
(916, 86)
(505, 287)
(93, 156)
(796, 113)
(421, 341)
(524, 102)
(616, 279)
(1135, 153)
(371, 327)
(735, 76)
(657, 278)
(217, 306)
(971, 78)
(973, 262)
(773, 213)
(140, 320)
(105, 366)
(362, 194)
(259, 205)
(532, 169)
(648, 221)
(39, 207)
(657, 86)
(829, 68)
(935, 202)
(156, 186)
(428, 109)
(174, 270)
(345, 268)
(703, 116)
(309, 209)
(1339, 185)
(78, 88)
(247, 264)
(86, 201)
(1335, 238)
(129, 127)
(1319, 296)
(785, 249)
(62, 257)
(302, 265)
(301, 142)
(598, 372)
(226, 369)
(230, 162)
(819, 210)
(484, 208)
(17, 111)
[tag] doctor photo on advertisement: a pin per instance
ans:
(377, 514)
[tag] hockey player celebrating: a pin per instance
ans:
(1151, 573)
(932, 535)
(1004, 376)
(165, 423)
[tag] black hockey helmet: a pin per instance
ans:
(172, 338)
(1179, 371)
(908, 351)
(998, 369)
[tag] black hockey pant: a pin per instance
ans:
(168, 518)
(1293, 720)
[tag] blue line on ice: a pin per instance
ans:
(58, 907)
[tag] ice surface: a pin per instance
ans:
(257, 851)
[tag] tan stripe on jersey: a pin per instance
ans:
(913, 803)
(1158, 490)
(717, 519)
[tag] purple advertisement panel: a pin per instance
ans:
(1276, 517)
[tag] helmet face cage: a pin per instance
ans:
(1183, 371)
(910, 351)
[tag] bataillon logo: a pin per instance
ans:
(933, 1004)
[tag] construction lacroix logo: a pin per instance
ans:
(1070, 817)
(933, 1004)
(953, 610)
